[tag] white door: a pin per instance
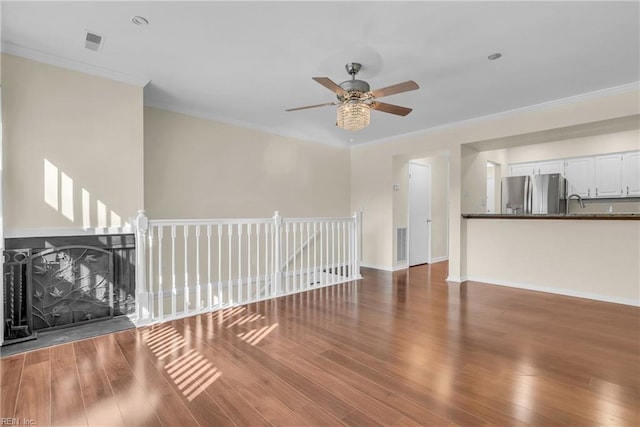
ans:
(419, 213)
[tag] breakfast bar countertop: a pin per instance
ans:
(572, 216)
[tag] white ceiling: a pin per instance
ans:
(244, 63)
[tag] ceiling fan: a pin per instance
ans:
(356, 99)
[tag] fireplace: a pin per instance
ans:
(60, 282)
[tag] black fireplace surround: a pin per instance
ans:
(63, 281)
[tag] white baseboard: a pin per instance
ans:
(455, 279)
(558, 291)
(439, 259)
(376, 267)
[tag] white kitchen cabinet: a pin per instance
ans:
(580, 174)
(631, 174)
(552, 166)
(608, 175)
(521, 169)
(536, 168)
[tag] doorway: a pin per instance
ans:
(419, 214)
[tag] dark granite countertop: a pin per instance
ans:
(573, 216)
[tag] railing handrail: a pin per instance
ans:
(226, 221)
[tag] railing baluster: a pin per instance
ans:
(258, 279)
(315, 254)
(150, 275)
(229, 278)
(160, 282)
(219, 284)
(209, 287)
(324, 250)
(343, 258)
(239, 290)
(198, 306)
(249, 294)
(267, 228)
(295, 255)
(286, 257)
(333, 251)
(173, 271)
(308, 277)
(186, 296)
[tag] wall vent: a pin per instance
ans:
(93, 41)
(401, 244)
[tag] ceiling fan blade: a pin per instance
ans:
(331, 85)
(311, 106)
(390, 108)
(397, 88)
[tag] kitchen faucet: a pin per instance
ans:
(573, 196)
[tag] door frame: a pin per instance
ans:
(428, 167)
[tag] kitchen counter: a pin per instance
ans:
(573, 216)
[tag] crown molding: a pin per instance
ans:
(615, 90)
(58, 61)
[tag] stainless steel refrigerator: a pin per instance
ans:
(534, 194)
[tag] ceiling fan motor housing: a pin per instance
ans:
(355, 88)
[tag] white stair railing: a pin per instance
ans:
(186, 267)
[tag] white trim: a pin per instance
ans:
(70, 64)
(61, 232)
(456, 279)
(514, 112)
(559, 291)
(377, 267)
(439, 259)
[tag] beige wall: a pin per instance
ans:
(372, 166)
(73, 148)
(576, 147)
(196, 168)
(592, 259)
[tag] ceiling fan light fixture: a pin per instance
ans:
(353, 115)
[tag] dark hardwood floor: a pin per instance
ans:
(402, 349)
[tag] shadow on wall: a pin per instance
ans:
(76, 204)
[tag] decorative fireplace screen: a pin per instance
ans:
(71, 284)
(57, 282)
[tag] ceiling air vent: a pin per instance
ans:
(93, 41)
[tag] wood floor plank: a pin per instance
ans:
(100, 404)
(264, 389)
(170, 410)
(65, 411)
(34, 397)
(10, 379)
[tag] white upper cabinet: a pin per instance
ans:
(631, 174)
(553, 166)
(580, 174)
(609, 175)
(522, 169)
(536, 168)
